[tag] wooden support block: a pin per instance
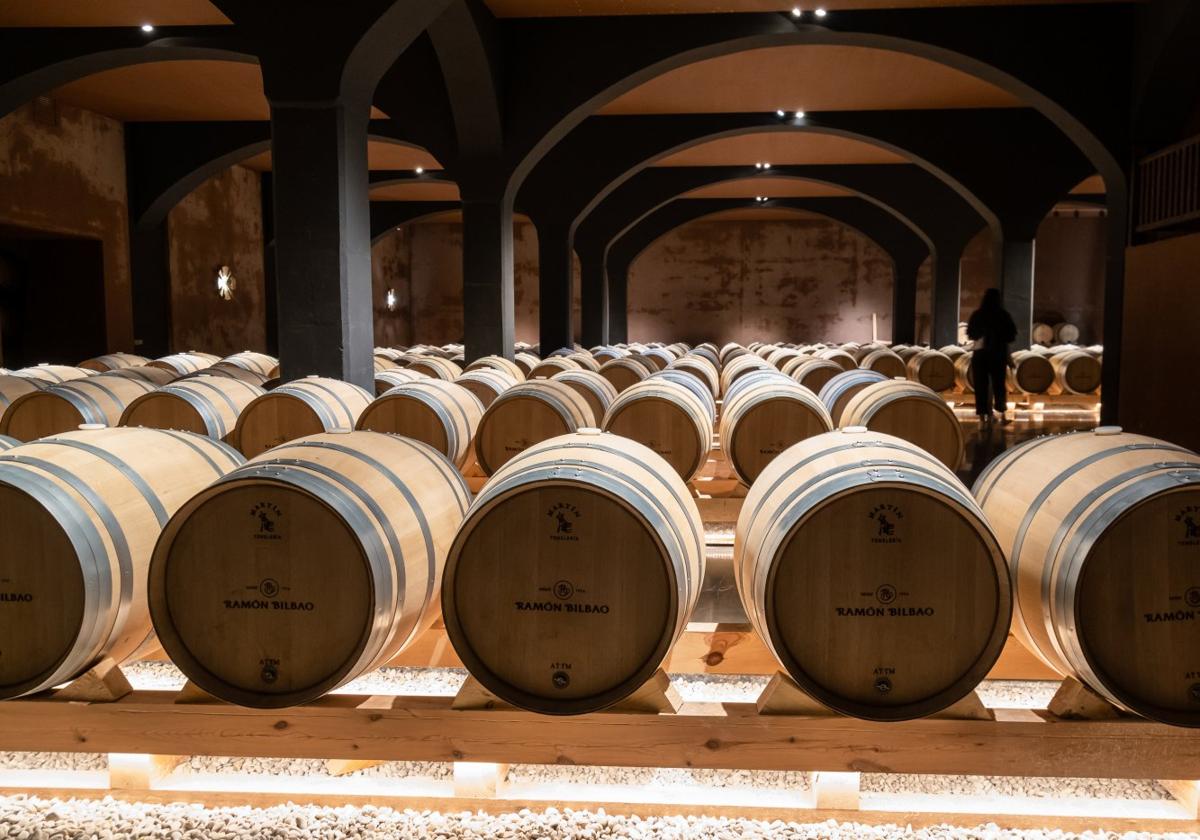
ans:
(836, 791)
(968, 708)
(1186, 793)
(103, 683)
(657, 696)
(783, 697)
(472, 696)
(193, 694)
(479, 779)
(1075, 701)
(140, 771)
(346, 766)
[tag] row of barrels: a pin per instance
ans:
(1062, 370)
(883, 586)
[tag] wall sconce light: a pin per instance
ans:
(389, 300)
(226, 282)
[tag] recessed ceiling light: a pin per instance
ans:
(799, 115)
(820, 13)
(147, 27)
(781, 113)
(796, 11)
(766, 166)
(419, 170)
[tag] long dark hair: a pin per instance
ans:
(992, 300)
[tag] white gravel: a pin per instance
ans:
(661, 778)
(1036, 787)
(78, 762)
(31, 818)
(205, 765)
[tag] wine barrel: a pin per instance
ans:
(886, 362)
(694, 385)
(1075, 372)
(840, 356)
(1042, 333)
(1066, 333)
(181, 364)
(703, 369)
(584, 625)
(790, 365)
(12, 387)
(707, 352)
(7, 443)
(204, 405)
(668, 419)
(740, 366)
(487, 383)
(594, 388)
(526, 362)
(499, 363)
(436, 367)
(80, 513)
(660, 356)
(964, 376)
(1031, 372)
(552, 365)
(912, 412)
(862, 351)
(229, 372)
(386, 380)
(607, 354)
(932, 368)
(751, 379)
(814, 373)
(381, 363)
(766, 418)
(53, 374)
(304, 407)
(623, 372)
(260, 363)
(393, 353)
(906, 352)
(152, 375)
(838, 391)
(441, 414)
(307, 567)
(97, 400)
(527, 414)
(871, 574)
(113, 361)
(730, 351)
(1103, 543)
(585, 361)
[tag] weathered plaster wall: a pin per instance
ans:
(62, 170)
(801, 280)
(390, 260)
(219, 223)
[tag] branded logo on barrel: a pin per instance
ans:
(564, 516)
(1189, 522)
(887, 519)
(266, 516)
(269, 591)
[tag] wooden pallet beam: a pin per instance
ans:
(1075, 701)
(479, 779)
(140, 771)
(836, 791)
(102, 683)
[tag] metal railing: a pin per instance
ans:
(1168, 186)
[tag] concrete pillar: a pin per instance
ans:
(1114, 305)
(618, 303)
(487, 276)
(593, 299)
(904, 302)
(150, 270)
(947, 275)
(323, 240)
(554, 287)
(1016, 285)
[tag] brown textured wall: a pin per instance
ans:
(1162, 295)
(219, 223)
(62, 170)
(429, 281)
(390, 259)
(802, 280)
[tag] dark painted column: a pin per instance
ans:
(904, 301)
(150, 269)
(618, 303)
(593, 299)
(1016, 285)
(554, 287)
(1114, 307)
(487, 276)
(323, 240)
(947, 274)
(270, 287)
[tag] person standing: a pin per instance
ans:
(992, 329)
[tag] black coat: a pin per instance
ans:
(994, 328)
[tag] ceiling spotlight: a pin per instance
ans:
(766, 166)
(781, 113)
(799, 115)
(420, 170)
(758, 166)
(796, 11)
(147, 27)
(820, 13)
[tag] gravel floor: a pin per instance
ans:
(30, 818)
(1020, 786)
(206, 765)
(660, 777)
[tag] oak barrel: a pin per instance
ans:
(594, 388)
(153, 375)
(181, 364)
(80, 513)
(702, 368)
(552, 365)
(53, 373)
(838, 391)
(740, 366)
(1102, 531)
(97, 400)
(304, 407)
(487, 383)
(436, 367)
(766, 418)
(527, 414)
(912, 412)
(589, 551)
(113, 361)
(932, 368)
(8, 443)
(623, 372)
(667, 418)
(1075, 372)
(205, 405)
(1066, 333)
(386, 380)
(1031, 372)
(1042, 333)
(442, 414)
(265, 366)
(12, 387)
(698, 388)
(843, 358)
(964, 376)
(872, 575)
(310, 565)
(814, 373)
(526, 361)
(498, 363)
